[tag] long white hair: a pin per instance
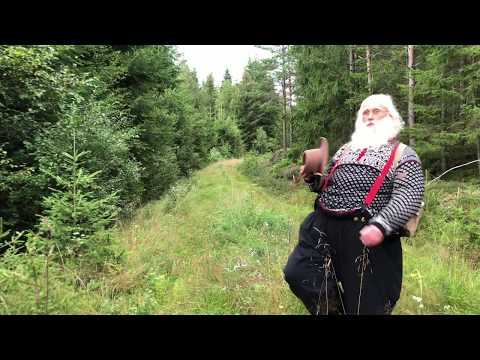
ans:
(382, 131)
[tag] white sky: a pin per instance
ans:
(216, 59)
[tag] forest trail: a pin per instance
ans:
(216, 244)
(230, 162)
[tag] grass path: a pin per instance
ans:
(211, 252)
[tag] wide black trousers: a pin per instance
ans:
(331, 271)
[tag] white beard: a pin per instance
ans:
(379, 134)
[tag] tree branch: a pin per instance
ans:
(456, 167)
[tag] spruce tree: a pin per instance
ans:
(74, 214)
(259, 105)
(227, 76)
(209, 96)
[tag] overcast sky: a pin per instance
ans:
(216, 59)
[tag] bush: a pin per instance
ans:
(178, 192)
(262, 142)
(229, 138)
(101, 128)
(276, 177)
(215, 155)
(254, 166)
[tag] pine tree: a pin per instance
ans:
(411, 89)
(471, 107)
(193, 133)
(438, 102)
(259, 105)
(283, 62)
(209, 96)
(323, 92)
(228, 135)
(150, 86)
(227, 76)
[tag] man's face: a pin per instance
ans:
(372, 114)
(374, 124)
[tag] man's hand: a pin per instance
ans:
(302, 170)
(306, 178)
(371, 235)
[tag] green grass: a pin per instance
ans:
(217, 243)
(227, 242)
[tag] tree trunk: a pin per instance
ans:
(478, 154)
(351, 59)
(411, 88)
(284, 94)
(284, 121)
(290, 101)
(443, 159)
(369, 69)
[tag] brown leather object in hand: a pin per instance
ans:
(315, 160)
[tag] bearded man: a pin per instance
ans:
(349, 257)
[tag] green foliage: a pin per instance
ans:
(322, 88)
(152, 67)
(227, 132)
(40, 272)
(156, 147)
(173, 137)
(209, 96)
(259, 105)
(283, 62)
(330, 85)
(229, 138)
(253, 166)
(194, 131)
(262, 142)
(215, 155)
(33, 86)
(263, 171)
(143, 122)
(30, 90)
(75, 216)
(101, 128)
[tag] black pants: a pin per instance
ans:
(331, 271)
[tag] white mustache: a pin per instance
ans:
(380, 133)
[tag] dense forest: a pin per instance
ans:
(91, 133)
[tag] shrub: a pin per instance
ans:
(215, 155)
